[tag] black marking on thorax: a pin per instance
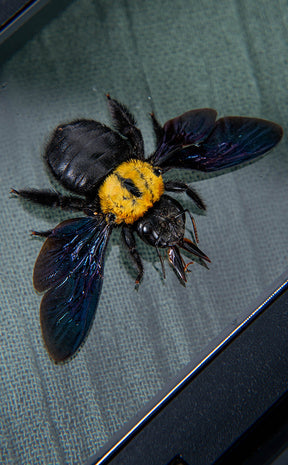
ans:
(147, 185)
(128, 184)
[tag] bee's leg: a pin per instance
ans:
(177, 186)
(42, 233)
(161, 261)
(52, 199)
(125, 123)
(158, 129)
(130, 242)
(177, 263)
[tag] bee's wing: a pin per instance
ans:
(70, 269)
(81, 153)
(190, 128)
(233, 140)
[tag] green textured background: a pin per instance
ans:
(169, 57)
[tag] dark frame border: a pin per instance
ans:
(18, 16)
(218, 397)
(20, 25)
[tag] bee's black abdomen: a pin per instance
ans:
(82, 153)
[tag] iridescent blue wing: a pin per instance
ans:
(70, 269)
(233, 140)
(190, 128)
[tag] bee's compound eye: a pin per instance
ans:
(147, 228)
(148, 232)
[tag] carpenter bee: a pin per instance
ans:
(115, 185)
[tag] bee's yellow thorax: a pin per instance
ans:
(130, 190)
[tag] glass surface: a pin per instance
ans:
(165, 57)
